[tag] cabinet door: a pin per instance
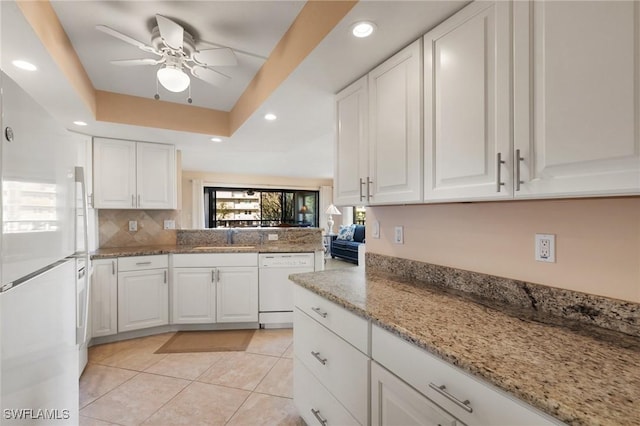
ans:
(577, 97)
(393, 402)
(114, 174)
(237, 294)
(467, 104)
(104, 297)
(395, 135)
(156, 176)
(193, 296)
(352, 151)
(143, 299)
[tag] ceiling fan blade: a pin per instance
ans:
(222, 57)
(172, 34)
(210, 76)
(126, 38)
(133, 62)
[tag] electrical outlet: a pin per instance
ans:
(169, 224)
(376, 229)
(133, 225)
(273, 237)
(546, 248)
(399, 235)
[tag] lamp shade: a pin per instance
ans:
(173, 78)
(332, 210)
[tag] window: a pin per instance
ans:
(243, 207)
(359, 214)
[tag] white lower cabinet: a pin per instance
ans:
(214, 288)
(104, 297)
(237, 294)
(331, 375)
(193, 296)
(393, 402)
(143, 292)
(468, 399)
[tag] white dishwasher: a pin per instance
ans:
(275, 289)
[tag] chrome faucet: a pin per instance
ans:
(230, 234)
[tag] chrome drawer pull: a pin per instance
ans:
(317, 356)
(317, 415)
(142, 263)
(319, 312)
(442, 390)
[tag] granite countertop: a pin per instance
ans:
(280, 247)
(581, 375)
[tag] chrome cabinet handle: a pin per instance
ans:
(362, 182)
(133, 200)
(317, 356)
(369, 183)
(442, 390)
(316, 414)
(113, 267)
(213, 275)
(218, 275)
(138, 200)
(499, 183)
(518, 160)
(165, 277)
(142, 263)
(319, 312)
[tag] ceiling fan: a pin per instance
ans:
(177, 53)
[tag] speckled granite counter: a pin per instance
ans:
(237, 248)
(579, 374)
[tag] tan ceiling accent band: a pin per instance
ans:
(316, 19)
(45, 23)
(311, 26)
(126, 109)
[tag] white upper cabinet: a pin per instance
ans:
(134, 175)
(577, 98)
(114, 174)
(395, 128)
(467, 104)
(352, 151)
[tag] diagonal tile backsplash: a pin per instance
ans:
(113, 228)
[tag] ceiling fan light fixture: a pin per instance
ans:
(173, 78)
(363, 29)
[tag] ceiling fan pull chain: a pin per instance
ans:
(157, 95)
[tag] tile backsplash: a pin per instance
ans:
(113, 228)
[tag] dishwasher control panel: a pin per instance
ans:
(286, 260)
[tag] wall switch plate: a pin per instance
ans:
(273, 237)
(398, 235)
(133, 225)
(375, 233)
(546, 248)
(169, 224)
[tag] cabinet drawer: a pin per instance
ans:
(211, 260)
(139, 263)
(314, 402)
(423, 370)
(340, 367)
(350, 327)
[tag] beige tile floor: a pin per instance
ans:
(125, 383)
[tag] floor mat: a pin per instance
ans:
(207, 341)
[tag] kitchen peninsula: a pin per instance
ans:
(467, 335)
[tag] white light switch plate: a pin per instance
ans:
(398, 236)
(169, 224)
(133, 225)
(376, 229)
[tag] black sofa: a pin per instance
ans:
(348, 249)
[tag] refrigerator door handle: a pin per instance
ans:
(82, 325)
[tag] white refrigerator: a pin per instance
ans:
(43, 294)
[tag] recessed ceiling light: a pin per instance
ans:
(24, 65)
(216, 140)
(270, 117)
(363, 29)
(79, 123)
